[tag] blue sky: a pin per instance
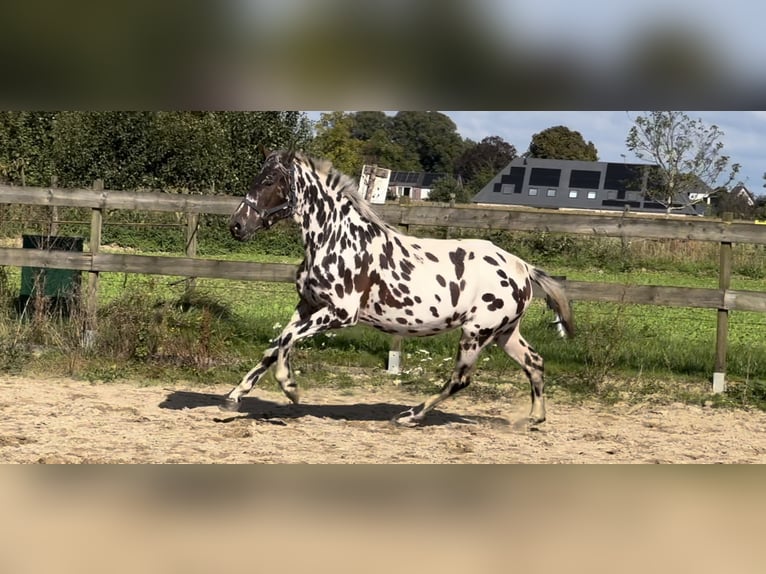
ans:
(744, 136)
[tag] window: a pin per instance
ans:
(551, 193)
(406, 191)
(532, 191)
(544, 176)
(572, 194)
(515, 177)
(621, 176)
(591, 195)
(587, 179)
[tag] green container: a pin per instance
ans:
(60, 288)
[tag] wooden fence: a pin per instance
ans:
(621, 225)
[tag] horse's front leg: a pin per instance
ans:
(303, 324)
(231, 400)
(275, 353)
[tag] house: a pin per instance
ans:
(738, 200)
(412, 184)
(740, 192)
(573, 184)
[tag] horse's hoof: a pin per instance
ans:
(406, 419)
(229, 405)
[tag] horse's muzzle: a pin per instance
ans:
(242, 230)
(237, 229)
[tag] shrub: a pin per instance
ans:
(189, 331)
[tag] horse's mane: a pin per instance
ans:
(348, 188)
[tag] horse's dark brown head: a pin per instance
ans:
(269, 198)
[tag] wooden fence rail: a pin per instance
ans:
(630, 225)
(148, 264)
(621, 225)
(730, 300)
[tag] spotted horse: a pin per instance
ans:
(358, 269)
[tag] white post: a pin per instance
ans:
(395, 356)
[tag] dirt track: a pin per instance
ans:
(69, 421)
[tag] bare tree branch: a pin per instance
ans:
(687, 153)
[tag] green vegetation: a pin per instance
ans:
(152, 328)
(211, 152)
(559, 142)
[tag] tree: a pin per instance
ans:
(374, 130)
(448, 189)
(113, 146)
(381, 150)
(129, 150)
(334, 141)
(431, 136)
(491, 154)
(25, 147)
(479, 180)
(559, 142)
(736, 202)
(244, 132)
(760, 207)
(367, 124)
(687, 152)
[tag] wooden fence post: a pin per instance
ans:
(404, 202)
(722, 325)
(192, 225)
(94, 243)
(450, 231)
(53, 229)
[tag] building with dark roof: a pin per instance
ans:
(572, 184)
(741, 192)
(412, 184)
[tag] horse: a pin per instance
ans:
(359, 269)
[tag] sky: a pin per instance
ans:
(744, 132)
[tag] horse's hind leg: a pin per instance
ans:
(468, 353)
(532, 363)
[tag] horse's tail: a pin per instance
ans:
(557, 299)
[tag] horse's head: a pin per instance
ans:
(269, 199)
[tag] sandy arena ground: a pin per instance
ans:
(70, 421)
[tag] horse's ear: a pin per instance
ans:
(263, 150)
